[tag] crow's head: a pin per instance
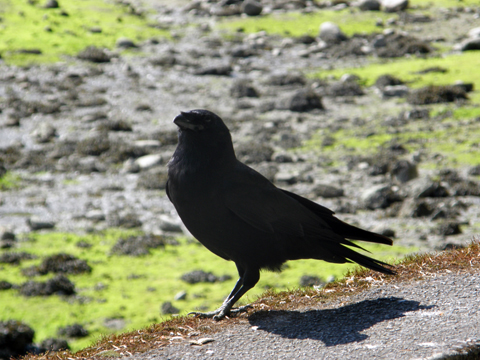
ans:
(203, 136)
(199, 120)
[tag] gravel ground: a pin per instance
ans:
(434, 318)
(76, 133)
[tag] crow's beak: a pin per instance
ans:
(185, 121)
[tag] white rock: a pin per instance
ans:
(474, 33)
(169, 224)
(330, 32)
(395, 91)
(148, 161)
(147, 144)
(394, 5)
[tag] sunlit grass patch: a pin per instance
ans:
(132, 289)
(296, 24)
(443, 3)
(65, 30)
(9, 181)
(459, 67)
(457, 144)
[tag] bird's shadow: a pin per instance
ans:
(334, 326)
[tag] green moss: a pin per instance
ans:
(458, 144)
(71, 182)
(350, 20)
(443, 3)
(133, 288)
(24, 27)
(9, 181)
(459, 67)
(466, 113)
(296, 24)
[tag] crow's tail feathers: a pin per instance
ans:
(366, 261)
(352, 232)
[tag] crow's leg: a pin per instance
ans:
(247, 280)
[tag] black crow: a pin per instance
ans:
(241, 216)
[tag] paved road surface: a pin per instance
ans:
(427, 319)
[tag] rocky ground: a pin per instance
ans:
(88, 139)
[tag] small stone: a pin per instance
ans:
(387, 232)
(201, 341)
(448, 229)
(311, 280)
(305, 100)
(59, 285)
(474, 33)
(73, 331)
(470, 44)
(16, 338)
(166, 223)
(475, 170)
(147, 145)
(167, 308)
(114, 323)
(53, 344)
(242, 88)
(36, 223)
(387, 80)
(51, 4)
(94, 54)
(423, 188)
(5, 285)
(95, 215)
(369, 5)
(379, 197)
(198, 276)
(182, 295)
(435, 94)
(331, 33)
(252, 8)
(394, 5)
(379, 41)
(125, 43)
(286, 178)
(395, 91)
(126, 220)
(44, 133)
(327, 191)
(286, 79)
(148, 161)
(404, 170)
(282, 157)
(6, 234)
(415, 208)
(218, 70)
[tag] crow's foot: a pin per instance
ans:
(221, 312)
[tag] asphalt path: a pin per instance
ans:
(434, 318)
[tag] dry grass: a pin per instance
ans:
(415, 267)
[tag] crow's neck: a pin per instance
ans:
(191, 156)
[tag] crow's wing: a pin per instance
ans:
(256, 201)
(338, 226)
